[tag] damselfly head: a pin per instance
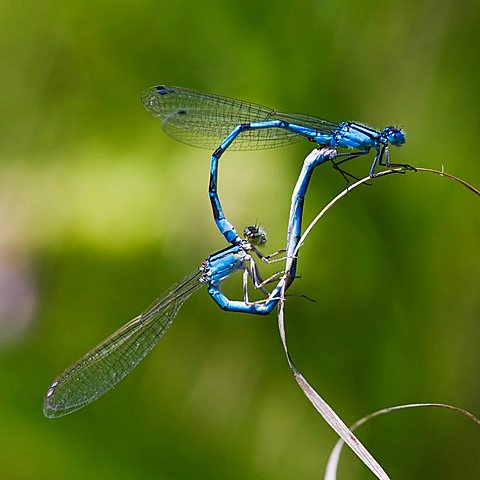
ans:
(255, 235)
(394, 135)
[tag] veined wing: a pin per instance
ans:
(103, 367)
(205, 120)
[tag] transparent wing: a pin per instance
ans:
(205, 120)
(103, 367)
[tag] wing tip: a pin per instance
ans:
(150, 97)
(49, 409)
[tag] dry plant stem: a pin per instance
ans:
(451, 177)
(320, 405)
(333, 460)
(325, 410)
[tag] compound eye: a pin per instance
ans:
(394, 135)
(255, 235)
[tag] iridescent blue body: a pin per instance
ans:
(107, 364)
(212, 121)
(221, 264)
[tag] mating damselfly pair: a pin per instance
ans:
(216, 122)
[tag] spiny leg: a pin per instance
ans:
(387, 163)
(346, 157)
(274, 254)
(268, 258)
(350, 156)
(271, 278)
(378, 159)
(257, 280)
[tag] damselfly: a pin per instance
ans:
(216, 122)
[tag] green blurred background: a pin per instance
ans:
(100, 212)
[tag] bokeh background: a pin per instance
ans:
(100, 212)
